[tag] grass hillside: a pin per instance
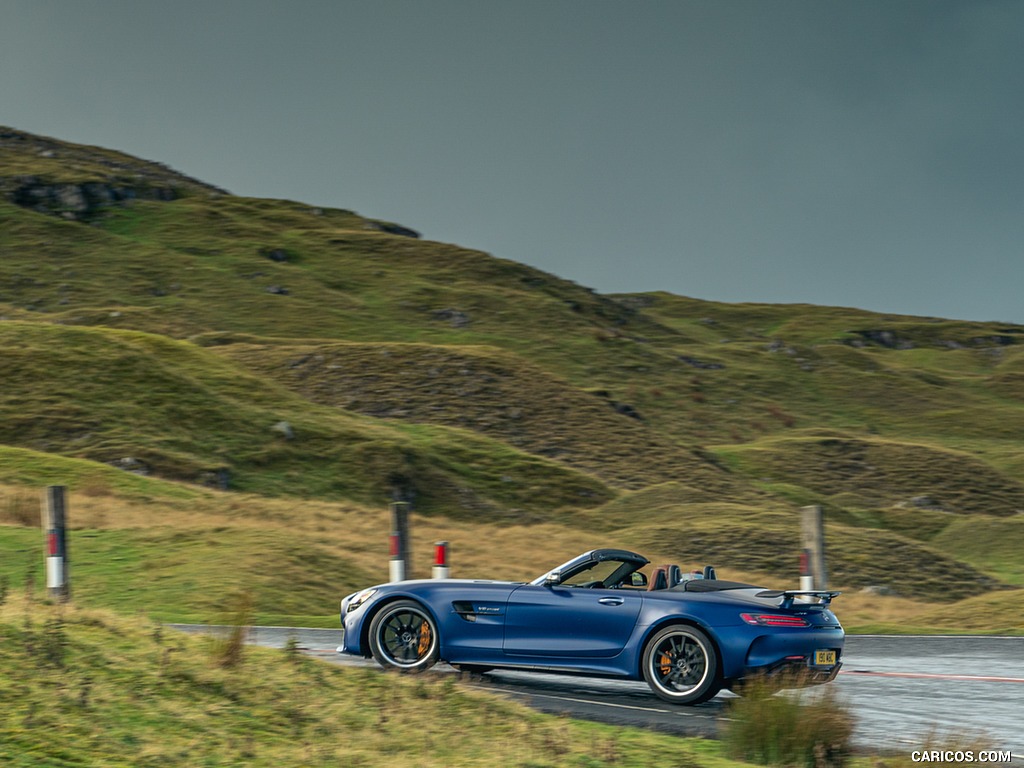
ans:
(489, 391)
(196, 365)
(190, 416)
(863, 473)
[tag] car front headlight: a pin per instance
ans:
(359, 598)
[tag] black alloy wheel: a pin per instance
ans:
(403, 636)
(680, 665)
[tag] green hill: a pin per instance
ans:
(267, 349)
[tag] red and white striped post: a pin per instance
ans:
(441, 569)
(806, 579)
(398, 566)
(54, 524)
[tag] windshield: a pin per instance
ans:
(598, 573)
(597, 568)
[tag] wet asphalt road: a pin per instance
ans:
(903, 690)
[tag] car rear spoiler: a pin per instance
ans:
(824, 595)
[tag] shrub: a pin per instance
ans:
(773, 726)
(228, 649)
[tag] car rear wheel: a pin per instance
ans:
(403, 636)
(680, 665)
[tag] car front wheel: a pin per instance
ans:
(680, 665)
(403, 636)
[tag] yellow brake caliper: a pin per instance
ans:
(424, 639)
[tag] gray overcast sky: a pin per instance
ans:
(866, 154)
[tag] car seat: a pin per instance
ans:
(664, 577)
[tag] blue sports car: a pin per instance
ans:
(687, 635)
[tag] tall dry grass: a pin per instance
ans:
(21, 507)
(228, 649)
(772, 724)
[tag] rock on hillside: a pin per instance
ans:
(76, 182)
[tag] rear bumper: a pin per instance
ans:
(804, 673)
(792, 653)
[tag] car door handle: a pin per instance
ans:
(611, 601)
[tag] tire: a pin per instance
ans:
(403, 636)
(681, 665)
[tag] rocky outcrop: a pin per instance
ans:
(392, 229)
(78, 182)
(280, 255)
(80, 202)
(701, 364)
(455, 317)
(891, 340)
(881, 338)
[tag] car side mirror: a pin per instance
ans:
(552, 579)
(637, 579)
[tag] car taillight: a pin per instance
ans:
(773, 620)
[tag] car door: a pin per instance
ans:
(561, 622)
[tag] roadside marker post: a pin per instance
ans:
(441, 569)
(398, 567)
(806, 579)
(58, 582)
(813, 542)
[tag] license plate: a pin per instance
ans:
(824, 658)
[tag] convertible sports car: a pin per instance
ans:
(687, 635)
